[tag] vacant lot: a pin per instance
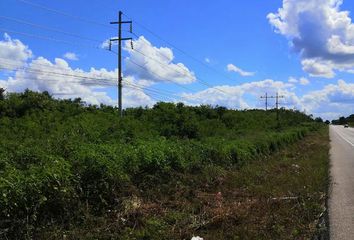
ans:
(172, 171)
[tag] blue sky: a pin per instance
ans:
(303, 49)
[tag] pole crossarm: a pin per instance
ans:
(277, 97)
(121, 39)
(121, 22)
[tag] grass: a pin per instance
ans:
(277, 197)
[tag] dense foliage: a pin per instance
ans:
(62, 158)
(344, 120)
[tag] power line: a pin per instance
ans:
(102, 81)
(155, 74)
(156, 99)
(184, 70)
(277, 97)
(36, 64)
(47, 80)
(31, 70)
(51, 39)
(90, 39)
(131, 85)
(158, 76)
(179, 49)
(138, 23)
(88, 21)
(149, 90)
(28, 69)
(49, 28)
(77, 94)
(166, 92)
(158, 91)
(70, 43)
(150, 94)
(65, 14)
(95, 40)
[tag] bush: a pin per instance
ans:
(60, 159)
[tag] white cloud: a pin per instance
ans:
(292, 80)
(207, 60)
(233, 68)
(320, 32)
(71, 56)
(105, 44)
(304, 81)
(58, 78)
(318, 68)
(13, 53)
(61, 80)
(40, 74)
(155, 64)
(331, 101)
(239, 96)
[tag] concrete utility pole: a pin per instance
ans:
(266, 101)
(277, 104)
(120, 39)
(277, 96)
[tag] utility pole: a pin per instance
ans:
(120, 39)
(266, 101)
(277, 104)
(277, 96)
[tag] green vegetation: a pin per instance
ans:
(344, 120)
(77, 170)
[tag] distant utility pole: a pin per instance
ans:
(277, 96)
(120, 39)
(266, 101)
(277, 104)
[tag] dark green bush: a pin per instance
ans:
(60, 159)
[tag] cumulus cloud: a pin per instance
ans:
(243, 96)
(303, 81)
(59, 79)
(63, 81)
(331, 101)
(155, 64)
(233, 68)
(292, 80)
(71, 56)
(320, 32)
(13, 53)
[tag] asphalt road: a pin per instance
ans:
(341, 196)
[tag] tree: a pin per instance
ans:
(319, 120)
(342, 120)
(2, 94)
